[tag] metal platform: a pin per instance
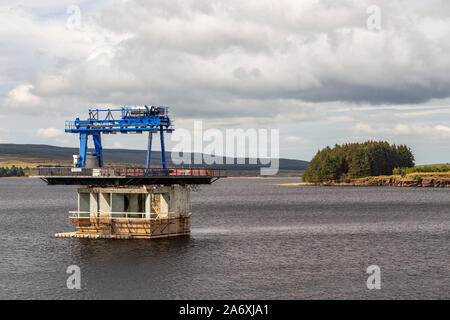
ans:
(126, 176)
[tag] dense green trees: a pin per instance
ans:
(355, 160)
(13, 171)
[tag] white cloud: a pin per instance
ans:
(442, 129)
(364, 128)
(434, 132)
(422, 113)
(49, 133)
(296, 139)
(22, 98)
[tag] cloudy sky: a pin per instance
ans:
(320, 71)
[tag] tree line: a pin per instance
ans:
(13, 171)
(356, 160)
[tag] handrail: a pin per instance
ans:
(128, 172)
(116, 215)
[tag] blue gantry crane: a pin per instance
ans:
(125, 120)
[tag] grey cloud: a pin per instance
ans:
(246, 59)
(413, 94)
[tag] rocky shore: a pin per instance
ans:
(412, 180)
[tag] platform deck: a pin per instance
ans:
(126, 176)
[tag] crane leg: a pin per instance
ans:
(163, 150)
(149, 148)
(83, 149)
(98, 149)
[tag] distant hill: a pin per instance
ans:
(37, 153)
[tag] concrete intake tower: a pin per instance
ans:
(123, 202)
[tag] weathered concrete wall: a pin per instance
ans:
(179, 200)
(161, 199)
(165, 198)
(165, 211)
(93, 199)
(104, 203)
(148, 205)
(156, 202)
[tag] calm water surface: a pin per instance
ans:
(250, 239)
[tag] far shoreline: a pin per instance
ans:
(416, 179)
(13, 177)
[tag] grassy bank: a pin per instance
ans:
(420, 176)
(425, 169)
(413, 179)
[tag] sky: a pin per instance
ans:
(321, 71)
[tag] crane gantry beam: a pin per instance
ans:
(124, 120)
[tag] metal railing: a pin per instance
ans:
(127, 172)
(118, 215)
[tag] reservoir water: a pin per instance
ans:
(250, 239)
